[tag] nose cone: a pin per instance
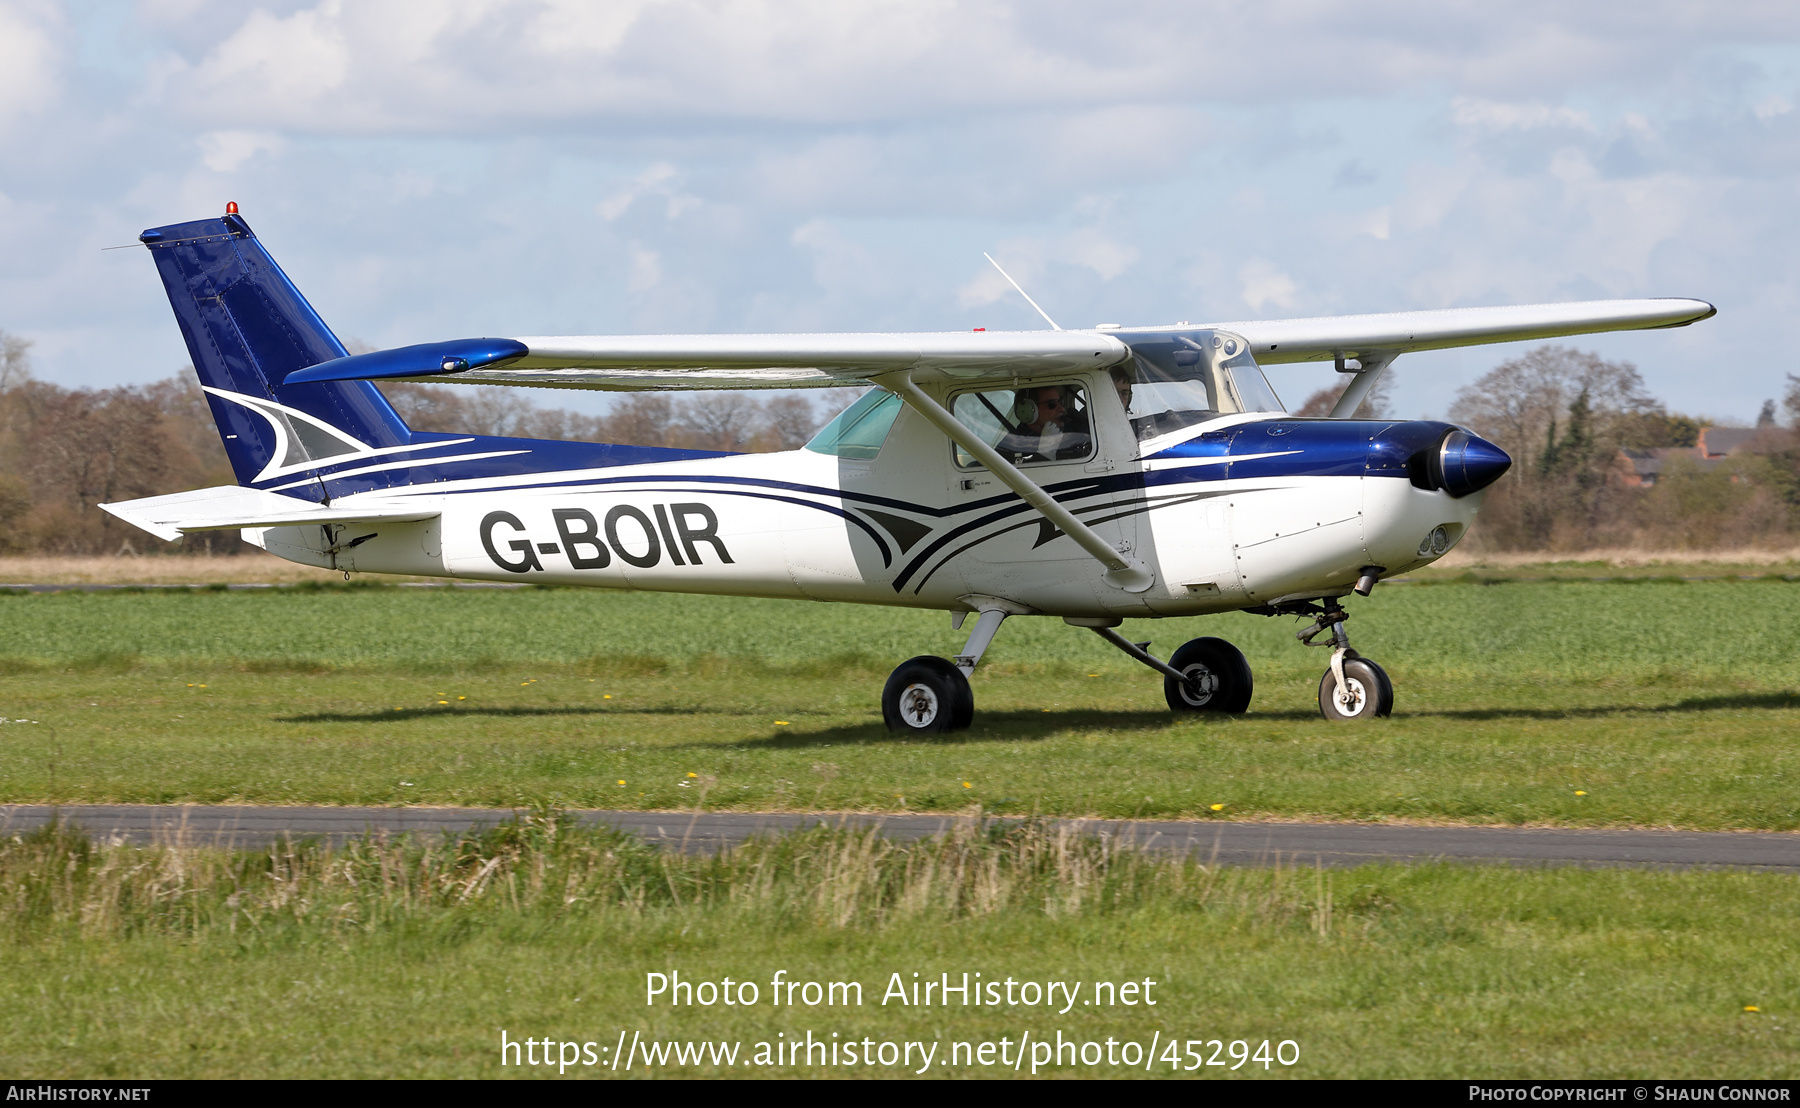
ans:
(1464, 463)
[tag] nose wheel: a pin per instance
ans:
(1363, 691)
(1354, 688)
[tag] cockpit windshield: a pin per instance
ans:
(1178, 379)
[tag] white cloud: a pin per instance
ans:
(1772, 106)
(1030, 260)
(658, 179)
(1263, 285)
(224, 151)
(30, 56)
(472, 66)
(1495, 116)
(567, 166)
(987, 287)
(646, 270)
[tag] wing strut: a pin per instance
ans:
(1359, 386)
(1122, 570)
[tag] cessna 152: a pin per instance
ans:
(1087, 474)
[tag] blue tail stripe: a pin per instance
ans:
(247, 327)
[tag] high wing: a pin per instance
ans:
(656, 362)
(1324, 338)
(662, 362)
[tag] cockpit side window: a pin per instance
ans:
(859, 430)
(1030, 425)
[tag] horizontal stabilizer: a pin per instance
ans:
(231, 507)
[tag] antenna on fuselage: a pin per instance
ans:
(1022, 292)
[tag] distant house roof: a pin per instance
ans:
(1716, 442)
(1642, 467)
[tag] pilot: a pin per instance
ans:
(1050, 427)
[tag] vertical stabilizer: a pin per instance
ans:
(247, 327)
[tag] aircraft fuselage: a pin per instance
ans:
(1244, 511)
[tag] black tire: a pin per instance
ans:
(1372, 694)
(927, 696)
(1222, 673)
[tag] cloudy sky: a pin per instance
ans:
(427, 171)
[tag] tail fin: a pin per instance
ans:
(247, 327)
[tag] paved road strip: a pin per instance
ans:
(1330, 844)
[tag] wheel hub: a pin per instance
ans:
(1201, 684)
(1351, 696)
(918, 705)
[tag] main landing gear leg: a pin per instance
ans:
(1353, 688)
(930, 696)
(1203, 675)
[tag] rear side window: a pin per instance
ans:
(859, 430)
(1034, 424)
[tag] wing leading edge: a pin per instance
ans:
(1275, 341)
(667, 362)
(637, 362)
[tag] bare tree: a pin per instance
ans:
(1377, 405)
(641, 419)
(1517, 403)
(429, 407)
(15, 361)
(791, 420)
(560, 423)
(498, 410)
(722, 420)
(187, 419)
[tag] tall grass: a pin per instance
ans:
(56, 881)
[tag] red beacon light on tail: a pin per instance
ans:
(231, 207)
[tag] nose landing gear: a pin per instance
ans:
(1354, 688)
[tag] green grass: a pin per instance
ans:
(1667, 704)
(402, 958)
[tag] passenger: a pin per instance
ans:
(1121, 379)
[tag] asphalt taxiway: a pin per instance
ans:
(1224, 841)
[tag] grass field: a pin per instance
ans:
(1654, 702)
(1648, 701)
(408, 959)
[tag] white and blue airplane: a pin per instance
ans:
(1092, 474)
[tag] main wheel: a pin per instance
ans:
(1370, 693)
(927, 696)
(1220, 678)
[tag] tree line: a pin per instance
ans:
(63, 451)
(1569, 419)
(1565, 417)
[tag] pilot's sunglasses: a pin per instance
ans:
(1051, 403)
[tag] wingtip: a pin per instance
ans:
(1708, 310)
